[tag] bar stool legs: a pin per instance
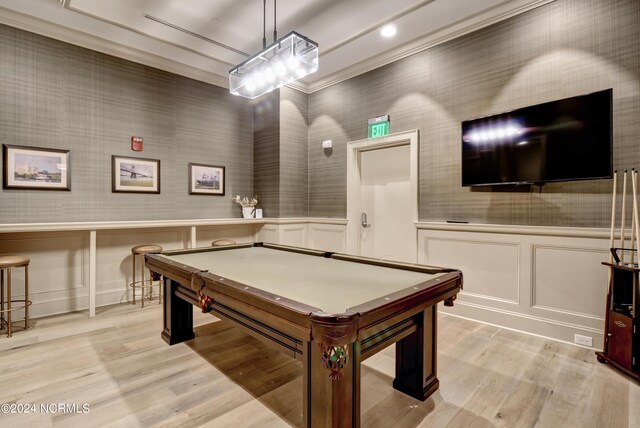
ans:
(133, 272)
(6, 319)
(8, 302)
(27, 302)
(146, 285)
(6, 299)
(2, 320)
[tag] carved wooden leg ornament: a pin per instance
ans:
(334, 358)
(333, 336)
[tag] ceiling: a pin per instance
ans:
(189, 36)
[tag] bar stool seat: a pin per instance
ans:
(143, 283)
(223, 242)
(146, 248)
(7, 263)
(13, 261)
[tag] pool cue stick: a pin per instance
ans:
(613, 216)
(634, 180)
(635, 207)
(605, 345)
(624, 212)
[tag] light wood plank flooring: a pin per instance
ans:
(118, 365)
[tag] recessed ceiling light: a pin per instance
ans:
(388, 30)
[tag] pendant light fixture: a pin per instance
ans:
(287, 59)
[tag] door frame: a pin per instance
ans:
(354, 182)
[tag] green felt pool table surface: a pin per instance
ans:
(332, 285)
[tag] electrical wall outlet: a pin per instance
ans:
(583, 340)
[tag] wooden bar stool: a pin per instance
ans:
(6, 264)
(141, 250)
(222, 242)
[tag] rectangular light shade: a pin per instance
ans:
(289, 58)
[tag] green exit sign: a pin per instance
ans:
(379, 126)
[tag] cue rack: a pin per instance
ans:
(622, 317)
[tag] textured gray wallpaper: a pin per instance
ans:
(294, 106)
(266, 152)
(58, 95)
(280, 153)
(562, 49)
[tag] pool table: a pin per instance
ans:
(330, 311)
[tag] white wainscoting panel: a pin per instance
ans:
(328, 237)
(491, 269)
(285, 232)
(269, 233)
(569, 279)
(293, 234)
(546, 281)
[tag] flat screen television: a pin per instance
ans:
(568, 139)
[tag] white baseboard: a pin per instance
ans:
(523, 323)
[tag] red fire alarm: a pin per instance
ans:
(136, 144)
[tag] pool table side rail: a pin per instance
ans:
(299, 250)
(181, 251)
(392, 264)
(429, 293)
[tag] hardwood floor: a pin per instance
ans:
(118, 365)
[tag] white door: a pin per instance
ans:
(388, 232)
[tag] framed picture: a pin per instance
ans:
(135, 175)
(206, 179)
(35, 168)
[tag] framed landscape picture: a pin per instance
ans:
(206, 179)
(135, 175)
(35, 168)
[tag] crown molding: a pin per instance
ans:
(476, 22)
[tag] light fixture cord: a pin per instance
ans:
(275, 33)
(264, 24)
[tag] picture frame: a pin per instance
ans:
(206, 179)
(35, 168)
(135, 175)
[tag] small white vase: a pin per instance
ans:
(247, 212)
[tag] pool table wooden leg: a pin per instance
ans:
(327, 402)
(177, 316)
(416, 358)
